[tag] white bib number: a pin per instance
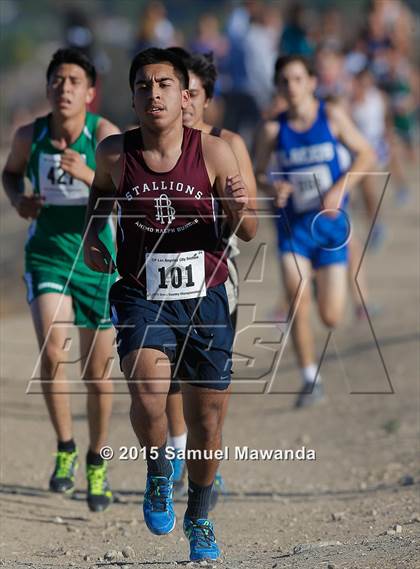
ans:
(308, 185)
(175, 276)
(59, 187)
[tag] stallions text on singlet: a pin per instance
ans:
(168, 231)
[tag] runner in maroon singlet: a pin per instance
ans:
(171, 210)
(170, 307)
(202, 78)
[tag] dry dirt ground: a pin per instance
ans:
(355, 506)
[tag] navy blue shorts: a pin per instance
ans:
(197, 340)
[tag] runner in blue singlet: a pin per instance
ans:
(310, 192)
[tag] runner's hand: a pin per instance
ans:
(97, 257)
(237, 193)
(283, 191)
(73, 163)
(29, 207)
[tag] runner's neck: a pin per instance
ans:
(162, 142)
(66, 132)
(203, 126)
(304, 115)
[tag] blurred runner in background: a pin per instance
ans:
(310, 193)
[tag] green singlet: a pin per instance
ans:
(54, 253)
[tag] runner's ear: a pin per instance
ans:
(185, 98)
(90, 95)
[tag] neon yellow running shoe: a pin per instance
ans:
(99, 495)
(62, 479)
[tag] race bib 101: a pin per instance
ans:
(57, 186)
(175, 276)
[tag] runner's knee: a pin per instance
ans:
(330, 316)
(98, 386)
(51, 357)
(148, 407)
(206, 424)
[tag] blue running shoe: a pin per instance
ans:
(158, 506)
(203, 544)
(218, 490)
(178, 464)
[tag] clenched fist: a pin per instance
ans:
(282, 192)
(29, 207)
(96, 255)
(72, 162)
(237, 193)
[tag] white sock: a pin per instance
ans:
(179, 442)
(309, 374)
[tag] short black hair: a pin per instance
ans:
(157, 55)
(181, 53)
(202, 65)
(284, 60)
(75, 56)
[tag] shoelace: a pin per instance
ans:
(96, 479)
(64, 464)
(159, 493)
(203, 534)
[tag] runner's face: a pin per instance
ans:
(295, 83)
(193, 114)
(69, 90)
(158, 98)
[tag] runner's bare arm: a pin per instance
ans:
(73, 163)
(246, 170)
(105, 128)
(364, 156)
(101, 202)
(14, 174)
(223, 169)
(265, 144)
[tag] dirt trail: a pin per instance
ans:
(333, 512)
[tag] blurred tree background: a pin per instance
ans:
(31, 31)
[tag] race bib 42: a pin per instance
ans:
(57, 186)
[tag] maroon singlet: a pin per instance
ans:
(167, 212)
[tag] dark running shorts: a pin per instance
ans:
(197, 340)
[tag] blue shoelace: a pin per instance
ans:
(159, 493)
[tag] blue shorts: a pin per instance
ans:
(198, 345)
(315, 236)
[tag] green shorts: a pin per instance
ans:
(89, 295)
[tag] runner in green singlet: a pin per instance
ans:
(57, 154)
